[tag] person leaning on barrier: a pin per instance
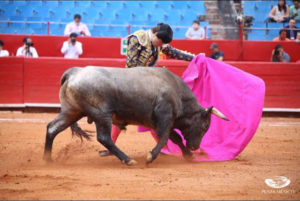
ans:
(195, 32)
(216, 53)
(278, 55)
(3, 53)
(282, 36)
(27, 50)
(72, 48)
(77, 27)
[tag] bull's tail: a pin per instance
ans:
(77, 131)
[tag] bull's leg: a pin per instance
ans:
(104, 137)
(60, 123)
(177, 140)
(163, 113)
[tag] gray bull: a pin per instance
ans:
(152, 97)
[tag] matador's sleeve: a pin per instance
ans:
(133, 47)
(177, 54)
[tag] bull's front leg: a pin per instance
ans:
(103, 136)
(187, 154)
(163, 113)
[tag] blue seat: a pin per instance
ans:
(132, 5)
(97, 4)
(66, 4)
(41, 31)
(180, 5)
(35, 3)
(91, 14)
(82, 4)
(179, 33)
(50, 4)
(114, 5)
(3, 24)
(25, 11)
(8, 10)
(19, 3)
(41, 12)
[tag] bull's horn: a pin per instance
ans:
(216, 112)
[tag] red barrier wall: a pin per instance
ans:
(11, 80)
(38, 80)
(98, 47)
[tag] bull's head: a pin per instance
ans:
(199, 126)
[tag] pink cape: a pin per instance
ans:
(237, 94)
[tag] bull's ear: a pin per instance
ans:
(216, 112)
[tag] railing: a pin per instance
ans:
(129, 26)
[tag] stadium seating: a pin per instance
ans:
(260, 9)
(175, 13)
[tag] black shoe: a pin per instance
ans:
(105, 153)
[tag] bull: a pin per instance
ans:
(152, 97)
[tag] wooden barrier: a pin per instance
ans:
(37, 81)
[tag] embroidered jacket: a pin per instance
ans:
(141, 52)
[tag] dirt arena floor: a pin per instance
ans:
(80, 173)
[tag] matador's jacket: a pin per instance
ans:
(141, 52)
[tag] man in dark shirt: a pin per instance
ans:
(291, 30)
(216, 53)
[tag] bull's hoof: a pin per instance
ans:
(149, 158)
(131, 162)
(189, 157)
(105, 153)
(48, 159)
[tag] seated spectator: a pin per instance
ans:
(72, 48)
(295, 10)
(291, 30)
(282, 36)
(280, 12)
(27, 50)
(278, 55)
(77, 27)
(195, 32)
(298, 37)
(216, 53)
(3, 53)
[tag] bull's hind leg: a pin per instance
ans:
(103, 136)
(60, 123)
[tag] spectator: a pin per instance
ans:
(298, 37)
(195, 32)
(77, 27)
(216, 53)
(3, 53)
(27, 50)
(72, 48)
(295, 11)
(282, 36)
(278, 55)
(291, 30)
(280, 12)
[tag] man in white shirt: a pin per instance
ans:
(27, 50)
(77, 27)
(3, 53)
(195, 32)
(72, 48)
